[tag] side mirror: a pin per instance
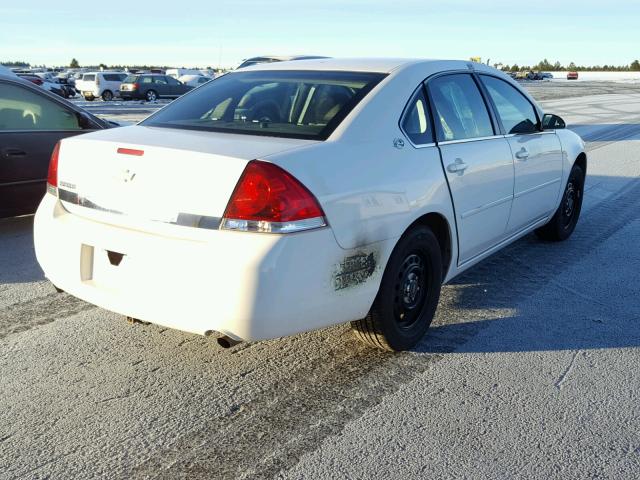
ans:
(552, 122)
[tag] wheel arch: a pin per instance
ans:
(581, 161)
(441, 228)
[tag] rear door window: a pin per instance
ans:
(89, 78)
(460, 110)
(516, 112)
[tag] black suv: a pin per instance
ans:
(150, 87)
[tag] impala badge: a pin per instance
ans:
(128, 176)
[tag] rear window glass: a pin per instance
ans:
(293, 104)
(131, 79)
(89, 78)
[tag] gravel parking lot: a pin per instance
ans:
(529, 370)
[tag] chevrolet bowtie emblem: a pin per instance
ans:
(128, 175)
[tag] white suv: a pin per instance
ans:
(100, 84)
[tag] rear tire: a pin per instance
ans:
(107, 95)
(564, 221)
(408, 294)
(151, 96)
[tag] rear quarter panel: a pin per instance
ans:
(370, 190)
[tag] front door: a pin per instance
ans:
(537, 155)
(478, 163)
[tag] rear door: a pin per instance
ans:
(537, 155)
(30, 126)
(477, 161)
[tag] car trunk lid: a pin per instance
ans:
(144, 175)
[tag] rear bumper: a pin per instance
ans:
(127, 94)
(245, 285)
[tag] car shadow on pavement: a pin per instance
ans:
(614, 132)
(536, 295)
(18, 262)
(529, 333)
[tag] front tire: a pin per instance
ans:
(564, 221)
(408, 295)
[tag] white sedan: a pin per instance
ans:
(194, 80)
(291, 196)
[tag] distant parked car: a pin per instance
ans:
(572, 76)
(103, 85)
(67, 78)
(50, 77)
(151, 87)
(276, 58)
(45, 84)
(194, 80)
(180, 72)
(32, 120)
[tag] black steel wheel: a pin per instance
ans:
(565, 219)
(408, 294)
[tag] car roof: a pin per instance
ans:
(102, 71)
(378, 65)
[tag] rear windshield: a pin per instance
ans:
(89, 78)
(293, 104)
(131, 79)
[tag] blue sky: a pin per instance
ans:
(195, 32)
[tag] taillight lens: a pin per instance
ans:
(134, 86)
(269, 199)
(52, 177)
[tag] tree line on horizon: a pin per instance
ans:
(75, 64)
(545, 65)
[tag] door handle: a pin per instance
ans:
(457, 167)
(13, 153)
(522, 154)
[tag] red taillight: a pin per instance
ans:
(37, 81)
(134, 86)
(269, 199)
(52, 177)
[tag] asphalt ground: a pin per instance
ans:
(528, 371)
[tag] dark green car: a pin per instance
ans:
(151, 87)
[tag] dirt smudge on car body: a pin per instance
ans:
(354, 270)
